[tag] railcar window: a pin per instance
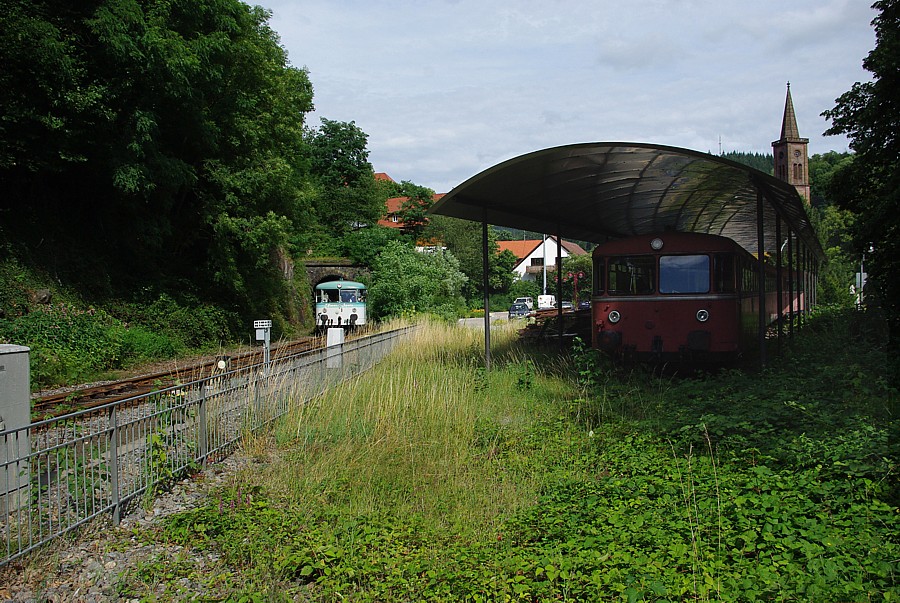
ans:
(684, 274)
(724, 272)
(348, 297)
(632, 275)
(598, 274)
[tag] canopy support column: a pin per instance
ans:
(559, 316)
(779, 286)
(801, 285)
(790, 254)
(484, 283)
(761, 280)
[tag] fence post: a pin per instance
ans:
(203, 436)
(114, 462)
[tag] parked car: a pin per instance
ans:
(567, 305)
(584, 304)
(525, 300)
(518, 310)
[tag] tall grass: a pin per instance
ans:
(419, 434)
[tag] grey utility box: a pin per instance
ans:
(15, 417)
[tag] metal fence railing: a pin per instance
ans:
(58, 474)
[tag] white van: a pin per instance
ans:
(546, 301)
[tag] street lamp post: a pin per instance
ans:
(575, 276)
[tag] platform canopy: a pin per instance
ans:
(604, 190)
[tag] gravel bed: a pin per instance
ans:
(89, 568)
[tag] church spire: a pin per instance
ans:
(789, 129)
(791, 158)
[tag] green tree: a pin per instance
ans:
(406, 281)
(821, 172)
(834, 226)
(760, 161)
(463, 238)
(869, 185)
(572, 265)
(348, 196)
(414, 209)
(152, 142)
(363, 245)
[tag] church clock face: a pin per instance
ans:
(796, 153)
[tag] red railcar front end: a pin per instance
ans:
(690, 330)
(671, 297)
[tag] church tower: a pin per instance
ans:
(791, 155)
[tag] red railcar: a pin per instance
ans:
(678, 296)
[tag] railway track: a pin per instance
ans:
(60, 403)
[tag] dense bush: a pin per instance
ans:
(66, 343)
(71, 345)
(406, 281)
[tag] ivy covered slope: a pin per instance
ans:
(545, 479)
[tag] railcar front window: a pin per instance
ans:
(631, 275)
(684, 274)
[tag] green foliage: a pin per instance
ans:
(192, 325)
(572, 265)
(730, 487)
(869, 114)
(406, 281)
(413, 211)
(171, 131)
(65, 342)
(821, 171)
(834, 226)
(363, 245)
(764, 162)
(463, 239)
(348, 195)
(520, 288)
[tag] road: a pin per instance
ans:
(478, 323)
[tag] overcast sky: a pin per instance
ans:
(448, 88)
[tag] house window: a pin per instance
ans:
(537, 261)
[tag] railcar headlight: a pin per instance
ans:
(656, 244)
(614, 316)
(702, 315)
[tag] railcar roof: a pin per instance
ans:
(606, 190)
(340, 285)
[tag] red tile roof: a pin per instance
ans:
(520, 249)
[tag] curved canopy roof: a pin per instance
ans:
(602, 190)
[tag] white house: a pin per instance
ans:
(534, 254)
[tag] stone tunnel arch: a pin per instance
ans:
(322, 271)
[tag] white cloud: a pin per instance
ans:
(445, 89)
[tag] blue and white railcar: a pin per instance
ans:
(340, 304)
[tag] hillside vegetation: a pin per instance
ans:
(558, 478)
